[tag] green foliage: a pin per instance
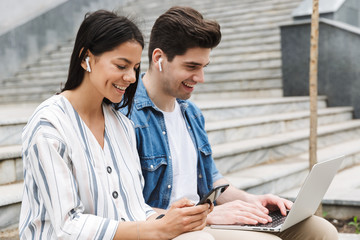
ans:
(356, 224)
(325, 214)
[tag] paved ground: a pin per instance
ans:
(344, 236)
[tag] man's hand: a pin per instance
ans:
(255, 210)
(238, 212)
(270, 202)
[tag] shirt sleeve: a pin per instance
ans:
(55, 189)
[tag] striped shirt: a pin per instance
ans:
(74, 188)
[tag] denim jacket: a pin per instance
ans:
(154, 150)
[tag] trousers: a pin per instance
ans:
(313, 228)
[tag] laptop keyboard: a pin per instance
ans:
(277, 219)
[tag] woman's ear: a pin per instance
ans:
(86, 62)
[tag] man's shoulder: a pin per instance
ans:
(190, 107)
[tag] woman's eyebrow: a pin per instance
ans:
(127, 60)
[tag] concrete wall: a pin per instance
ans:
(346, 11)
(15, 13)
(25, 43)
(339, 62)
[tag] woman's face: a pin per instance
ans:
(113, 71)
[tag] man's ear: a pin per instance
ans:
(158, 57)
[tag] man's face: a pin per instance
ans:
(181, 75)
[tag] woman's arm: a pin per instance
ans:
(182, 217)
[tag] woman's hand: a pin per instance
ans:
(184, 216)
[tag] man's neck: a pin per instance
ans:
(154, 90)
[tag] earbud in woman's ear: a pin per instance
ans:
(87, 64)
(160, 67)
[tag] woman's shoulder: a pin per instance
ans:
(52, 106)
(51, 111)
(117, 115)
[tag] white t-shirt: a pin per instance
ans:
(183, 156)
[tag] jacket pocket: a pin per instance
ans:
(152, 164)
(205, 150)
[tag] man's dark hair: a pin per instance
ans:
(181, 28)
(100, 32)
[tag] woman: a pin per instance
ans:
(81, 170)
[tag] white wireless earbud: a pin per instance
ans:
(160, 67)
(87, 64)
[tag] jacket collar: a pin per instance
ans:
(142, 99)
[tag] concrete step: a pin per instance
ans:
(30, 94)
(237, 155)
(10, 164)
(253, 77)
(13, 118)
(13, 86)
(241, 9)
(231, 85)
(239, 93)
(342, 200)
(285, 176)
(222, 109)
(220, 132)
(10, 204)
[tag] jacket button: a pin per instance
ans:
(164, 132)
(115, 194)
(109, 170)
(200, 176)
(151, 166)
(169, 186)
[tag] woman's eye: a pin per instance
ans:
(121, 67)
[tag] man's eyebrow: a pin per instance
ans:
(196, 63)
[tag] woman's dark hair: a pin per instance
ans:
(181, 28)
(101, 32)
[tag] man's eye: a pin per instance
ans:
(191, 67)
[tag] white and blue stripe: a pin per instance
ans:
(68, 192)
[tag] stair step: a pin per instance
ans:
(253, 127)
(12, 120)
(342, 200)
(216, 110)
(284, 176)
(238, 93)
(238, 155)
(252, 76)
(10, 152)
(10, 204)
(218, 86)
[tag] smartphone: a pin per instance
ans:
(214, 193)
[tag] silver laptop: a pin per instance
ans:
(306, 203)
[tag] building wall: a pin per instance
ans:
(23, 44)
(338, 67)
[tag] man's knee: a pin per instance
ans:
(313, 228)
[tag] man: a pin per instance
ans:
(172, 143)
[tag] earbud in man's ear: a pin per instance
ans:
(160, 67)
(87, 64)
